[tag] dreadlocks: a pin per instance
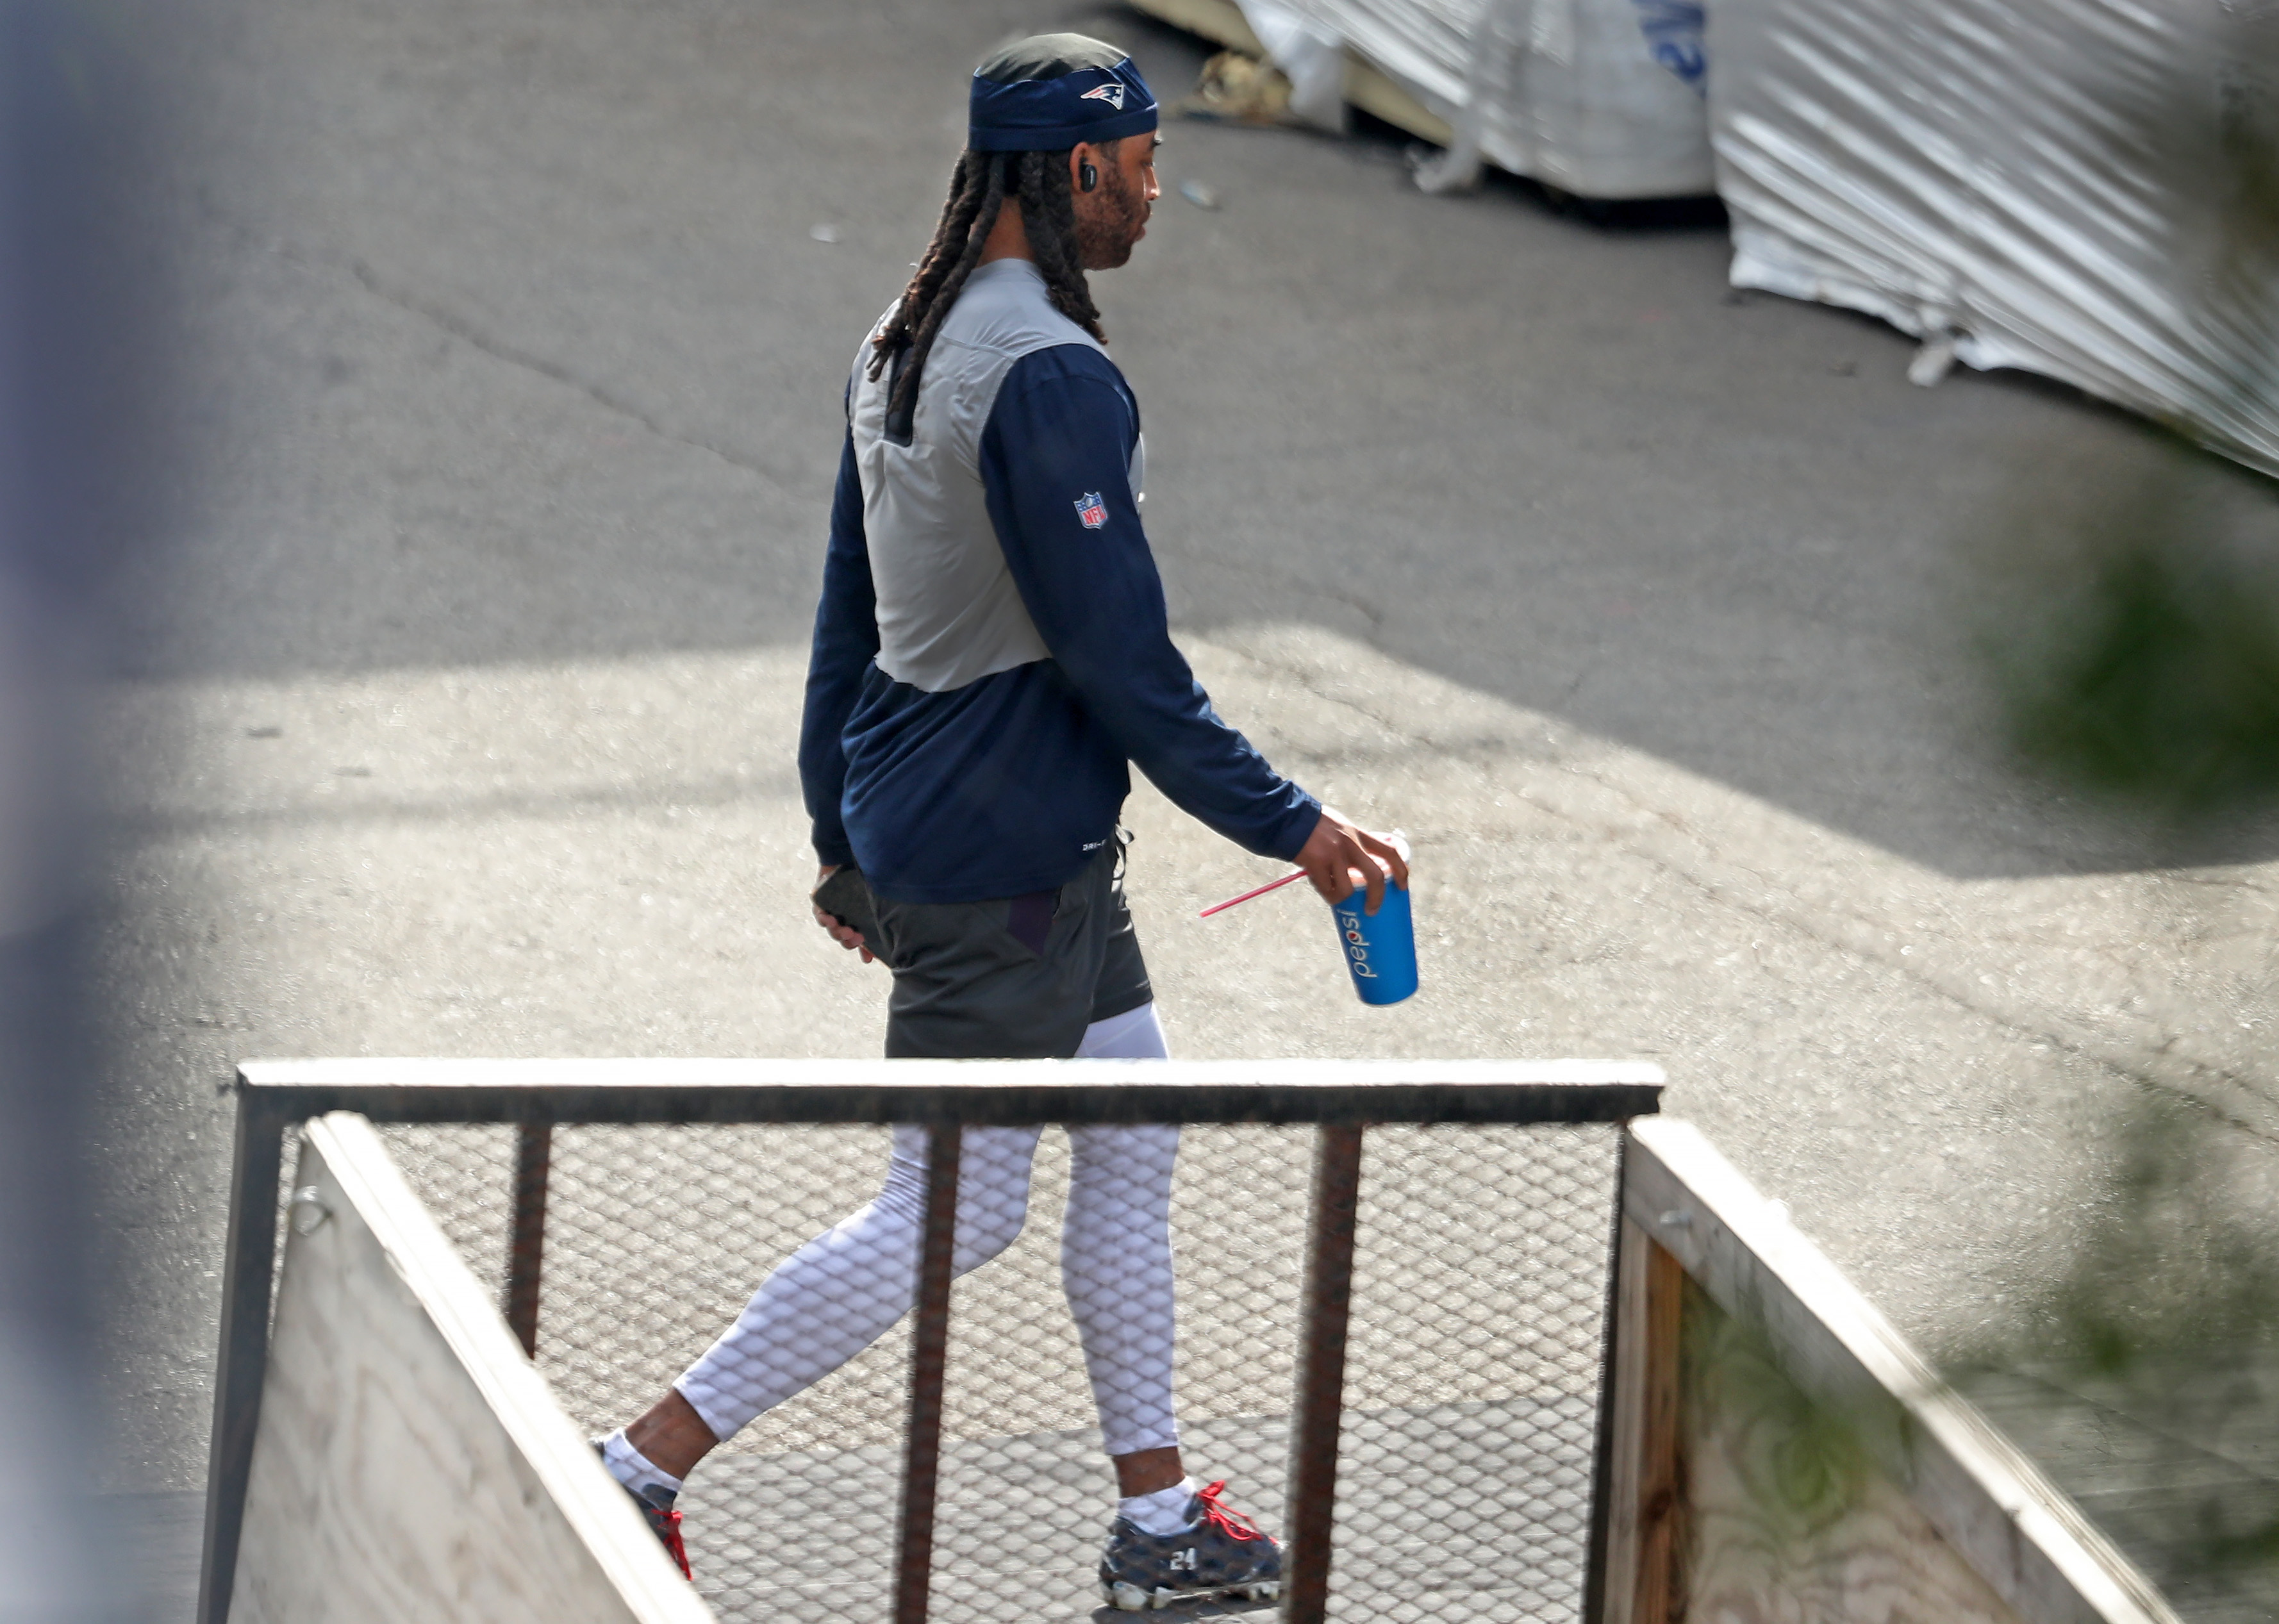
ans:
(979, 187)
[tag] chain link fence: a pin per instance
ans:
(1471, 1378)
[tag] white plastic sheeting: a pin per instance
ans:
(1597, 97)
(1308, 56)
(2062, 186)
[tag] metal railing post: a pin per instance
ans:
(1311, 1506)
(929, 1358)
(249, 1270)
(533, 1162)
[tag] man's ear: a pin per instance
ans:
(1084, 167)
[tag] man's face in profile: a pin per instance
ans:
(1113, 217)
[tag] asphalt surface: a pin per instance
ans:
(458, 709)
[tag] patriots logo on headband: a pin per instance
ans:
(1049, 93)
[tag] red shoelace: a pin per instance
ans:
(1229, 1521)
(667, 1525)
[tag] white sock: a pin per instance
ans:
(638, 1472)
(1163, 1512)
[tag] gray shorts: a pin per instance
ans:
(968, 987)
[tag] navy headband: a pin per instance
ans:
(1092, 103)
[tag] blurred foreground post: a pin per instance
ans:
(75, 380)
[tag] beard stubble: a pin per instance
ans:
(1104, 238)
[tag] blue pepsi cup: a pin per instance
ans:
(1380, 948)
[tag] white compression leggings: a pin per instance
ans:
(843, 1290)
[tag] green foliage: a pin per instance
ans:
(2130, 620)
(2132, 639)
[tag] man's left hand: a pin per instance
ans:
(846, 935)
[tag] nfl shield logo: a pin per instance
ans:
(1092, 510)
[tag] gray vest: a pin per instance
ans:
(948, 611)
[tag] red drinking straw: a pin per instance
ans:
(1246, 896)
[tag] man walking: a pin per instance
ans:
(990, 656)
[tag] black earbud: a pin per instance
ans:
(1086, 176)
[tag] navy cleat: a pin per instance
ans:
(1222, 1554)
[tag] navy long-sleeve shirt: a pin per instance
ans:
(1009, 783)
